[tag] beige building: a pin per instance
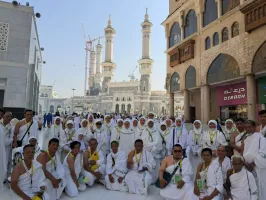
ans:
(216, 57)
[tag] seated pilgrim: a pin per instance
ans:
(93, 163)
(72, 166)
(141, 164)
(116, 168)
(181, 185)
(53, 169)
(28, 179)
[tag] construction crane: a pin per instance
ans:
(88, 48)
(131, 75)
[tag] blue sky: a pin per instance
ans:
(61, 35)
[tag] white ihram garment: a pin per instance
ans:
(53, 132)
(226, 165)
(101, 136)
(171, 192)
(3, 166)
(87, 134)
(117, 167)
(138, 181)
(238, 142)
(57, 170)
(127, 140)
(177, 136)
(31, 133)
(243, 186)
(255, 152)
(71, 188)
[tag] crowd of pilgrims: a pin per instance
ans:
(130, 154)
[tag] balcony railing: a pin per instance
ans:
(255, 15)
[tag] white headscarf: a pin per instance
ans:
(150, 120)
(37, 148)
(129, 121)
(56, 119)
(135, 120)
(179, 119)
(139, 124)
(70, 122)
(89, 118)
(233, 127)
(82, 143)
(120, 120)
(98, 120)
(161, 124)
(215, 122)
(170, 121)
(199, 130)
(82, 123)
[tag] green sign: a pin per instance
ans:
(262, 90)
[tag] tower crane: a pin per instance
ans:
(88, 48)
(131, 75)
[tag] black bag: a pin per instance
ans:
(19, 142)
(166, 176)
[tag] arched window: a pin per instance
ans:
(123, 108)
(190, 77)
(117, 108)
(51, 109)
(235, 29)
(190, 23)
(128, 108)
(175, 34)
(123, 99)
(228, 5)
(215, 39)
(129, 99)
(210, 12)
(117, 99)
(225, 35)
(207, 43)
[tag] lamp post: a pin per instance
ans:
(73, 100)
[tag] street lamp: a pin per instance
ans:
(73, 99)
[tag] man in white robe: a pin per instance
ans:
(262, 127)
(181, 184)
(6, 131)
(77, 122)
(153, 144)
(93, 163)
(141, 164)
(3, 166)
(241, 182)
(53, 170)
(255, 156)
(28, 179)
(109, 125)
(223, 161)
(25, 128)
(116, 169)
(75, 182)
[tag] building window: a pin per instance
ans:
(123, 99)
(210, 12)
(117, 99)
(207, 43)
(175, 34)
(225, 36)
(215, 39)
(190, 23)
(235, 29)
(228, 5)
(4, 31)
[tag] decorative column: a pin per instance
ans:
(251, 89)
(172, 104)
(205, 103)
(187, 105)
(181, 20)
(219, 6)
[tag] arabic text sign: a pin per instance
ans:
(235, 94)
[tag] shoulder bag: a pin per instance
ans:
(19, 142)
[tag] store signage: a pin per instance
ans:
(262, 90)
(234, 94)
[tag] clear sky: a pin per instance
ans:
(61, 35)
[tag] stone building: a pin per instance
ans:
(20, 58)
(216, 57)
(134, 96)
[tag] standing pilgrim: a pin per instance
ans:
(109, 127)
(213, 138)
(169, 124)
(153, 144)
(100, 134)
(223, 161)
(116, 168)
(85, 129)
(135, 124)
(194, 143)
(3, 166)
(52, 131)
(151, 115)
(77, 122)
(117, 130)
(178, 135)
(6, 131)
(53, 170)
(24, 129)
(262, 127)
(238, 136)
(140, 128)
(141, 164)
(165, 134)
(91, 122)
(254, 154)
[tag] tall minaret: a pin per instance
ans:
(93, 66)
(98, 75)
(108, 65)
(146, 62)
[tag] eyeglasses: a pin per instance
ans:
(178, 151)
(98, 124)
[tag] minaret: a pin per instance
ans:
(93, 66)
(146, 62)
(108, 65)
(98, 75)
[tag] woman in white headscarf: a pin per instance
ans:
(194, 144)
(141, 126)
(126, 138)
(91, 122)
(165, 134)
(33, 141)
(80, 137)
(229, 129)
(100, 134)
(108, 123)
(135, 124)
(86, 131)
(153, 143)
(212, 138)
(117, 130)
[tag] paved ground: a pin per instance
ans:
(98, 192)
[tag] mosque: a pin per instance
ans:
(132, 97)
